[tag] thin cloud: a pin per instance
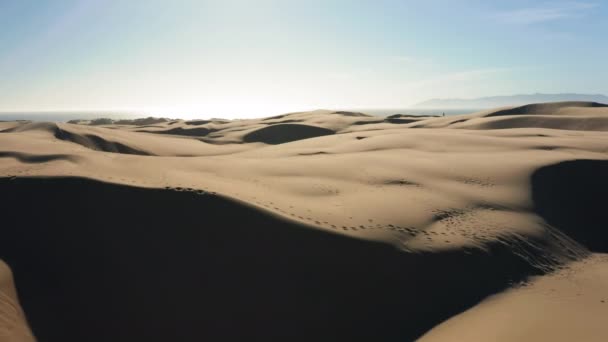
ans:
(546, 12)
(402, 59)
(459, 76)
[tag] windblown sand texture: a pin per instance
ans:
(311, 226)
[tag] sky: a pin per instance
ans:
(264, 57)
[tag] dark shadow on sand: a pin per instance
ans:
(284, 133)
(104, 262)
(573, 197)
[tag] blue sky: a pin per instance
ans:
(269, 56)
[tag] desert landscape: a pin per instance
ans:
(308, 226)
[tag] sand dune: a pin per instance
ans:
(323, 225)
(96, 142)
(225, 272)
(546, 108)
(13, 325)
(583, 116)
(569, 305)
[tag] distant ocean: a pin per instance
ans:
(88, 115)
(66, 116)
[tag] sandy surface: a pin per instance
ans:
(316, 225)
(569, 305)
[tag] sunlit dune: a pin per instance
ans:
(308, 226)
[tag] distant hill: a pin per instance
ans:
(512, 100)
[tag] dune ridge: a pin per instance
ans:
(97, 143)
(335, 277)
(546, 108)
(583, 116)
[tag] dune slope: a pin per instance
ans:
(124, 264)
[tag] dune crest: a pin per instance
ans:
(546, 108)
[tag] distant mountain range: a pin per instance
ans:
(503, 101)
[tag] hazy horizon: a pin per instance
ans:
(271, 57)
(64, 116)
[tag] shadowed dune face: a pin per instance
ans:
(347, 113)
(401, 116)
(400, 121)
(197, 122)
(97, 143)
(597, 123)
(91, 141)
(572, 196)
(581, 116)
(545, 108)
(142, 121)
(283, 133)
(32, 158)
(102, 262)
(191, 132)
